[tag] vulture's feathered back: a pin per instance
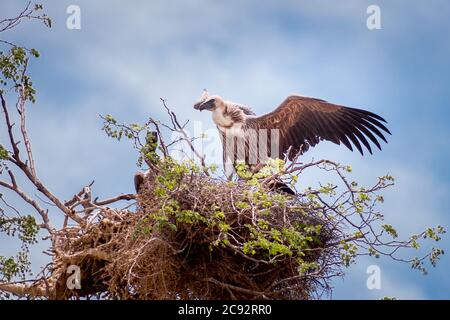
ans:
(297, 124)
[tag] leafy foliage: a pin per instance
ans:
(25, 229)
(3, 153)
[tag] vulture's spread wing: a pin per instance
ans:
(304, 122)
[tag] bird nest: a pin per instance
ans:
(196, 237)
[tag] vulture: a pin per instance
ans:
(297, 124)
(151, 144)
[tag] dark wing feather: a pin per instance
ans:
(303, 122)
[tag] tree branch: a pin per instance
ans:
(126, 197)
(21, 110)
(24, 167)
(42, 212)
(22, 290)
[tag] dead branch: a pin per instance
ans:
(176, 127)
(126, 197)
(25, 166)
(42, 212)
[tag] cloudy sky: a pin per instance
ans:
(126, 56)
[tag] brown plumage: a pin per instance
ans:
(304, 122)
(297, 124)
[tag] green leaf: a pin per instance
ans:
(35, 53)
(390, 230)
(3, 153)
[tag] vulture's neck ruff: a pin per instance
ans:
(229, 116)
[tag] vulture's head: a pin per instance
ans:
(207, 102)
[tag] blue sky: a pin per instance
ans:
(126, 56)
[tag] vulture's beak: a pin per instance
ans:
(206, 105)
(197, 106)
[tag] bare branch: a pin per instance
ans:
(180, 129)
(23, 290)
(10, 128)
(26, 13)
(25, 167)
(42, 212)
(126, 197)
(21, 110)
